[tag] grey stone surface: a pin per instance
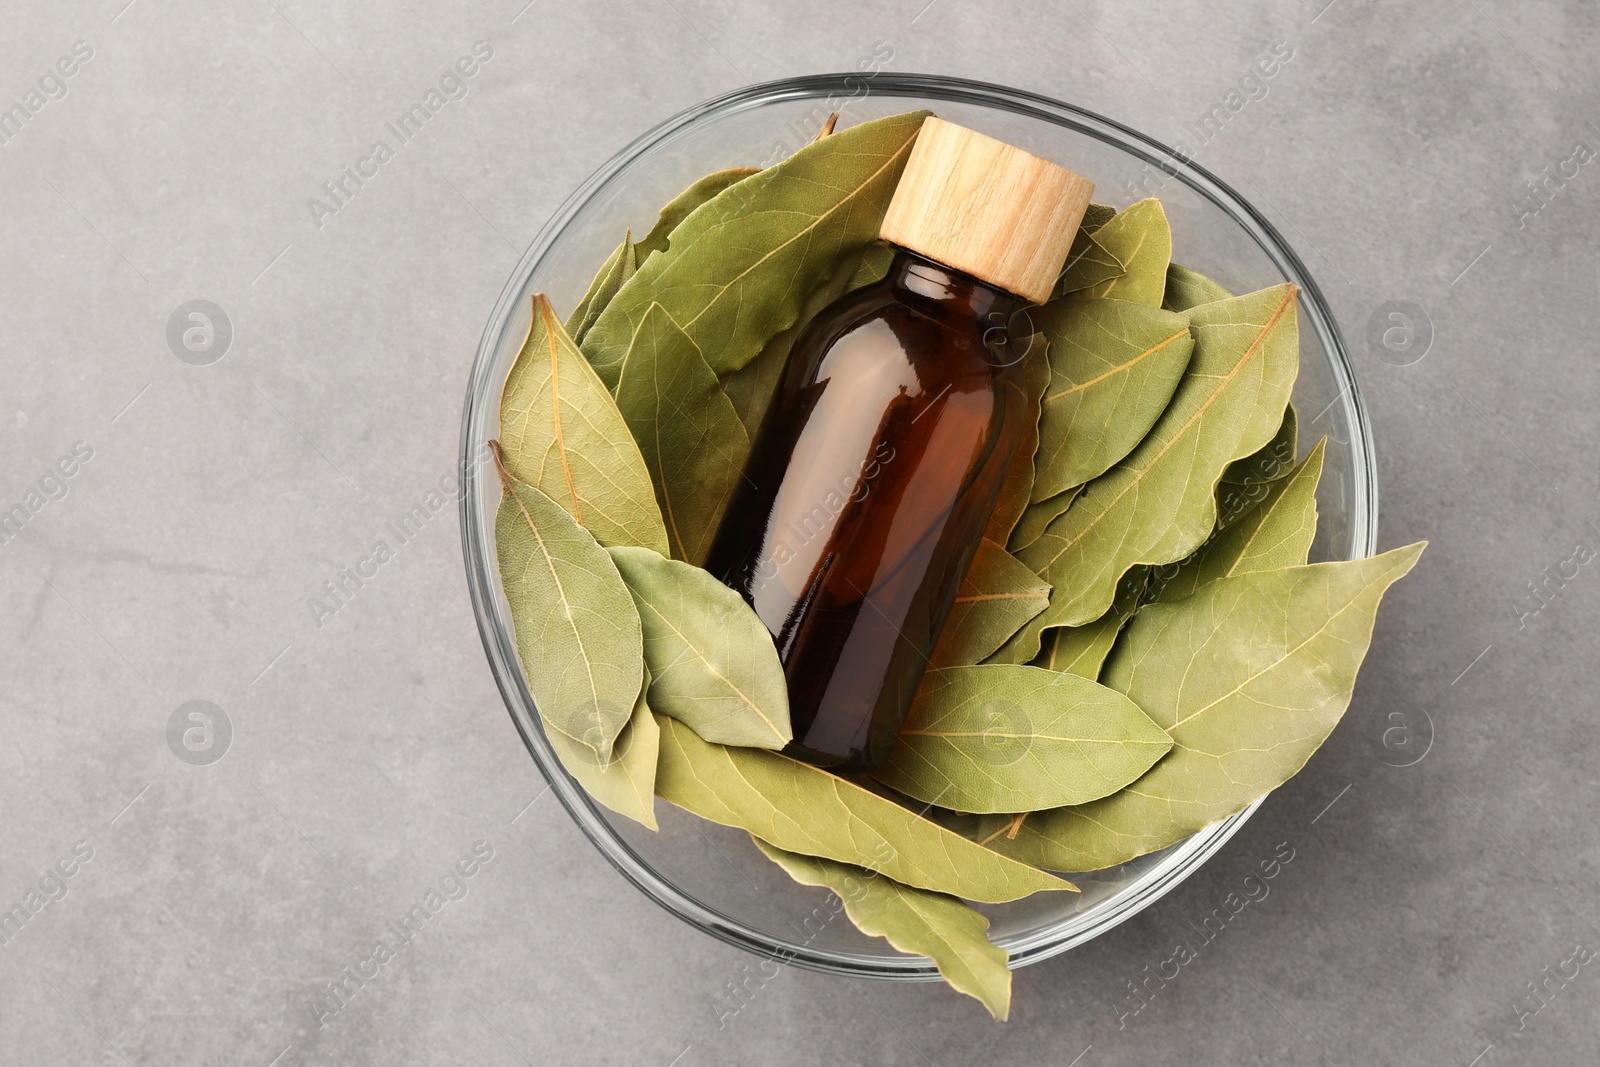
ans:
(370, 753)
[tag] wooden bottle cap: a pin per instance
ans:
(987, 209)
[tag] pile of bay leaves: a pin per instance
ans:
(1139, 650)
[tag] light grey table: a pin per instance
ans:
(367, 754)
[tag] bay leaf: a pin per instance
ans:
(1157, 505)
(1082, 650)
(1245, 483)
(625, 260)
(1141, 240)
(1248, 676)
(740, 267)
(692, 440)
(1189, 288)
(1089, 263)
(997, 595)
(1012, 499)
(1037, 517)
(1274, 532)
(1114, 366)
(617, 268)
(946, 930)
(872, 267)
(1005, 738)
(1271, 461)
(682, 205)
(627, 784)
(561, 432)
(1096, 216)
(751, 387)
(577, 632)
(801, 808)
(712, 663)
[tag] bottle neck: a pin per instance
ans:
(919, 276)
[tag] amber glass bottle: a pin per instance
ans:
(877, 465)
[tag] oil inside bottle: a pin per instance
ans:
(867, 491)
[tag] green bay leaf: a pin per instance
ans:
(684, 204)
(996, 597)
(627, 784)
(1248, 676)
(561, 432)
(1275, 531)
(740, 267)
(1004, 738)
(577, 632)
(1271, 461)
(1012, 499)
(693, 443)
(1157, 505)
(1189, 288)
(1089, 263)
(804, 809)
(712, 662)
(751, 387)
(1037, 517)
(624, 261)
(1096, 216)
(1113, 368)
(946, 930)
(1082, 650)
(618, 268)
(1140, 239)
(873, 266)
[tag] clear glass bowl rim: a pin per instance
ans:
(477, 534)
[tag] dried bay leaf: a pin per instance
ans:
(1248, 676)
(1271, 461)
(624, 261)
(684, 204)
(1012, 499)
(561, 432)
(1141, 240)
(804, 809)
(1114, 366)
(873, 266)
(692, 440)
(577, 632)
(617, 268)
(935, 925)
(1089, 263)
(740, 267)
(1157, 505)
(996, 597)
(1189, 288)
(712, 662)
(1274, 532)
(1037, 517)
(627, 784)
(1082, 650)
(751, 387)
(1005, 738)
(1096, 216)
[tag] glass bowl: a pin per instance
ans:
(712, 876)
